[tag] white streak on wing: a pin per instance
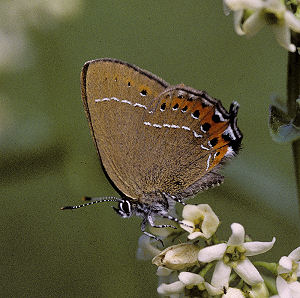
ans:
(196, 135)
(203, 147)
(220, 115)
(167, 125)
(126, 101)
(229, 132)
(215, 155)
(208, 161)
(181, 93)
(140, 105)
(102, 99)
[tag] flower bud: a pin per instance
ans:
(178, 257)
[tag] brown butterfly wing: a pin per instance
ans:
(153, 137)
(116, 95)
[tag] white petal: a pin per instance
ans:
(163, 271)
(298, 270)
(187, 225)
(282, 288)
(210, 220)
(255, 248)
(237, 19)
(292, 21)
(274, 6)
(295, 289)
(285, 265)
(213, 291)
(211, 253)
(295, 254)
(246, 270)
(221, 275)
(253, 24)
(195, 235)
(189, 278)
(238, 235)
(233, 293)
(191, 212)
(283, 36)
(243, 4)
(173, 288)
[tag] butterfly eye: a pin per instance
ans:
(125, 207)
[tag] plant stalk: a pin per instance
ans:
(293, 91)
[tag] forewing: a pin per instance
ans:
(116, 96)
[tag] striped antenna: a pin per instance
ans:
(92, 201)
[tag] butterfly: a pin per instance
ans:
(159, 144)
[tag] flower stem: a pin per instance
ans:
(293, 91)
(206, 268)
(272, 267)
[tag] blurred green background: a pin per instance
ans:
(48, 158)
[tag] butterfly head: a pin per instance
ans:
(125, 208)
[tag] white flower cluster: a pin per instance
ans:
(251, 15)
(183, 268)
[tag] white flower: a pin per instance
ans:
(199, 220)
(233, 255)
(186, 280)
(251, 15)
(288, 272)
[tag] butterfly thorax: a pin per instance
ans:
(153, 203)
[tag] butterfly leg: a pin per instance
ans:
(152, 224)
(143, 228)
(176, 199)
(176, 220)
